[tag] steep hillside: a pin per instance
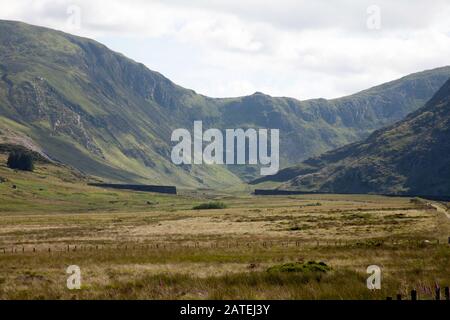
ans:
(408, 157)
(94, 109)
(82, 104)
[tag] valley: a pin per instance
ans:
(139, 245)
(84, 105)
(93, 118)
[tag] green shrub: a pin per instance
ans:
(210, 205)
(21, 161)
(317, 204)
(310, 266)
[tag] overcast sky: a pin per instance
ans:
(222, 48)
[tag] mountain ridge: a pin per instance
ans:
(411, 156)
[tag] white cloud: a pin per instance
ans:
(293, 48)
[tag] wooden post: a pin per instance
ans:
(388, 298)
(447, 293)
(413, 295)
(34, 249)
(438, 293)
(448, 240)
(399, 296)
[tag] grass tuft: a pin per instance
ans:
(307, 267)
(210, 205)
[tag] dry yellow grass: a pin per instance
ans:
(140, 245)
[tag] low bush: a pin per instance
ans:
(310, 266)
(210, 205)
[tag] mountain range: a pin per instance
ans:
(77, 102)
(411, 157)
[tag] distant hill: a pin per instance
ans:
(75, 101)
(409, 157)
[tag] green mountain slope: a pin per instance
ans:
(409, 157)
(94, 109)
(87, 106)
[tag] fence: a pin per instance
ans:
(263, 244)
(414, 295)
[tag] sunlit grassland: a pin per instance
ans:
(132, 245)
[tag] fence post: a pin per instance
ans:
(438, 293)
(399, 296)
(447, 293)
(413, 295)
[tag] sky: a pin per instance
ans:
(224, 48)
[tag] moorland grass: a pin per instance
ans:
(135, 245)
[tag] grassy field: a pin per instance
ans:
(133, 245)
